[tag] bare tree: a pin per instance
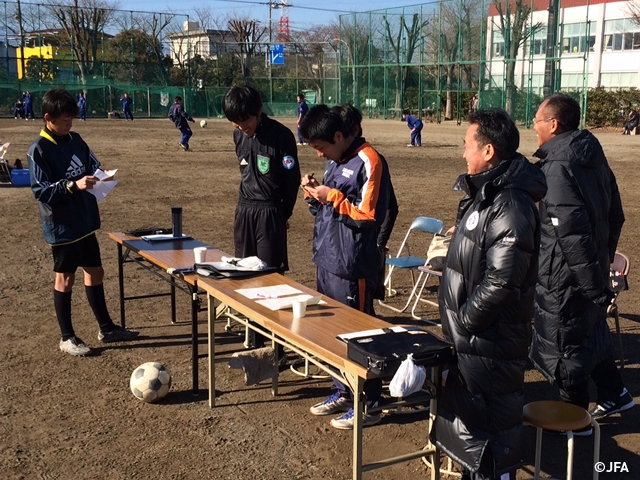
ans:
(83, 22)
(248, 34)
(156, 26)
(512, 23)
(403, 43)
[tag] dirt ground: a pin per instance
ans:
(63, 417)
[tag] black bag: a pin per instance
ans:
(212, 271)
(382, 354)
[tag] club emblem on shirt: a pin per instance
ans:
(472, 221)
(263, 164)
(288, 162)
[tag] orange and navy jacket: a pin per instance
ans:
(346, 227)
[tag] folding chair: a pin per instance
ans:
(618, 277)
(408, 262)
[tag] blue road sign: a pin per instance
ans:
(277, 54)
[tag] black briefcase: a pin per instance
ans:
(382, 354)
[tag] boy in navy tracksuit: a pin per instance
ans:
(348, 207)
(62, 170)
(415, 125)
(181, 120)
(127, 101)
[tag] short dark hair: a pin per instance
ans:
(497, 128)
(405, 111)
(301, 95)
(240, 103)
(565, 109)
(59, 102)
(322, 123)
(351, 117)
(177, 99)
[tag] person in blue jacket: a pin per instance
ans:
(415, 125)
(303, 108)
(181, 119)
(82, 106)
(127, 101)
(28, 106)
(61, 170)
(18, 109)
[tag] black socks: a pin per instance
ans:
(62, 304)
(97, 302)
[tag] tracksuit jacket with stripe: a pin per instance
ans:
(66, 215)
(346, 227)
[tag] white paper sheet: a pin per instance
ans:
(104, 174)
(283, 303)
(102, 188)
(273, 292)
(368, 333)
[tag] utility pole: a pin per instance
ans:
(551, 62)
(18, 16)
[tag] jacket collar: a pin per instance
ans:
(471, 184)
(549, 145)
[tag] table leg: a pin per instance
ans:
(436, 379)
(211, 317)
(357, 387)
(194, 338)
(121, 283)
(274, 380)
(173, 300)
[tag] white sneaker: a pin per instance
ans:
(75, 347)
(346, 421)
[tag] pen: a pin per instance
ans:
(260, 295)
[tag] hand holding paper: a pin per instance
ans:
(103, 186)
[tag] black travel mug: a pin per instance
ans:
(176, 221)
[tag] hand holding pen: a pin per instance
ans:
(309, 181)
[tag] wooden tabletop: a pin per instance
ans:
(315, 333)
(169, 254)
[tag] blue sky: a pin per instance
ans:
(302, 13)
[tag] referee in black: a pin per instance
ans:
(270, 180)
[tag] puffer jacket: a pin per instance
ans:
(486, 307)
(581, 219)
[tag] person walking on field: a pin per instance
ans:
(582, 218)
(82, 106)
(415, 125)
(61, 169)
(303, 108)
(127, 102)
(28, 106)
(181, 120)
(486, 301)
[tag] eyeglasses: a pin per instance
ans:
(534, 121)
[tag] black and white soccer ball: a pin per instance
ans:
(150, 382)
(203, 123)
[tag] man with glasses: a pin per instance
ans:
(581, 217)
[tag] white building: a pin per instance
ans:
(596, 38)
(195, 41)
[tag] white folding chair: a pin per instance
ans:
(405, 261)
(619, 272)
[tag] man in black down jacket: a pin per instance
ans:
(581, 217)
(486, 300)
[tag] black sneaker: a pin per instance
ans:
(118, 334)
(582, 432)
(624, 402)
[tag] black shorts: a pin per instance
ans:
(83, 253)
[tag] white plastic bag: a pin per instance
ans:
(408, 379)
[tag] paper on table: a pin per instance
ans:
(273, 292)
(287, 302)
(369, 333)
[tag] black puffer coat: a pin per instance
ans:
(581, 219)
(486, 307)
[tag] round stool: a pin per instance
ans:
(560, 417)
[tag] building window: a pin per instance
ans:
(578, 37)
(573, 81)
(497, 47)
(618, 80)
(538, 42)
(621, 34)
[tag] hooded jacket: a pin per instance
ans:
(486, 306)
(581, 217)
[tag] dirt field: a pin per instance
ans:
(63, 417)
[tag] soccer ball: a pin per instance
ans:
(150, 382)
(203, 123)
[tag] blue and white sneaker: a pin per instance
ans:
(334, 404)
(345, 422)
(604, 409)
